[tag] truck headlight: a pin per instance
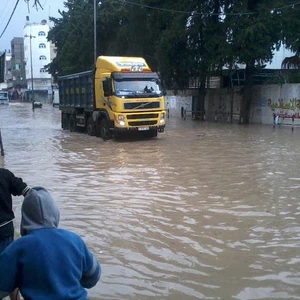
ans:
(162, 118)
(121, 120)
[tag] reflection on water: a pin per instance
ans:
(204, 211)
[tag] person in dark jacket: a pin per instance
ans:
(46, 262)
(9, 185)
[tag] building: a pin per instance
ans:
(2, 69)
(15, 73)
(17, 63)
(38, 52)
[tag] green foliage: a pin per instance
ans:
(254, 31)
(182, 39)
(72, 35)
(291, 26)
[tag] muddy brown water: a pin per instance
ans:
(204, 211)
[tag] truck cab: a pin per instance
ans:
(130, 94)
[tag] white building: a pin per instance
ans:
(39, 49)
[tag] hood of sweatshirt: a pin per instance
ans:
(39, 210)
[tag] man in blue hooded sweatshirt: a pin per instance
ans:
(46, 262)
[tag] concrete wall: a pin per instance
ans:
(266, 100)
(280, 99)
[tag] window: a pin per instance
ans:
(42, 70)
(42, 45)
(42, 33)
(43, 57)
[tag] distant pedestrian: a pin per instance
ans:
(46, 263)
(9, 185)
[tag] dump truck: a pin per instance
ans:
(121, 94)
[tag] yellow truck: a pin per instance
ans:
(122, 94)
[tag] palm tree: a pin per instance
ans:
(292, 62)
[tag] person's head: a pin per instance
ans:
(39, 210)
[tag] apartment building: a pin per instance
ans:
(38, 52)
(16, 68)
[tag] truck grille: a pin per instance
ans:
(141, 105)
(142, 116)
(141, 123)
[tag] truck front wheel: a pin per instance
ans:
(72, 123)
(65, 121)
(105, 133)
(90, 126)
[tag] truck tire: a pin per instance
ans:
(72, 123)
(65, 121)
(62, 121)
(90, 126)
(105, 133)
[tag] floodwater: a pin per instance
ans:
(204, 211)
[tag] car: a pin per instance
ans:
(37, 104)
(4, 98)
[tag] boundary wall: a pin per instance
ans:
(268, 101)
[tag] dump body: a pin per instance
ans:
(121, 94)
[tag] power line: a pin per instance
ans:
(4, 9)
(6, 12)
(287, 6)
(205, 14)
(9, 18)
(36, 3)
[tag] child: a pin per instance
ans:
(46, 262)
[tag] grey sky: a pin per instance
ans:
(15, 27)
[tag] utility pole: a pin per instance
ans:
(31, 66)
(31, 63)
(95, 31)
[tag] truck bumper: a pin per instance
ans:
(160, 128)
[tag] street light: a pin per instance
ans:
(30, 46)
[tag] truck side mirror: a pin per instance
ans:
(107, 87)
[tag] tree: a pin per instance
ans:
(254, 31)
(291, 32)
(121, 30)
(192, 42)
(73, 37)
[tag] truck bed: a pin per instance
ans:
(76, 90)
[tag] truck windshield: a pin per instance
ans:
(131, 87)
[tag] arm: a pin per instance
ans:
(16, 184)
(91, 270)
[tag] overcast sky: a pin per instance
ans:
(15, 27)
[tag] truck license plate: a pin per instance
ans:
(143, 128)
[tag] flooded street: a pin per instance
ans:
(204, 211)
